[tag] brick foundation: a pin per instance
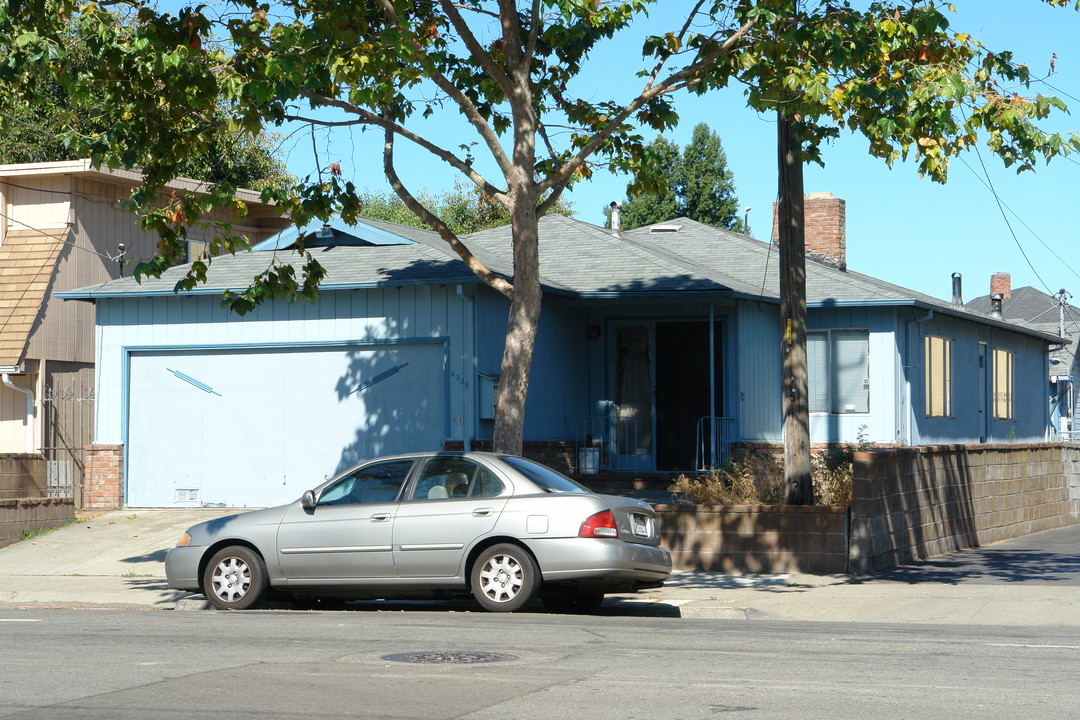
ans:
(103, 486)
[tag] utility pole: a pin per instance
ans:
(791, 235)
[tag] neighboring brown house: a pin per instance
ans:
(61, 227)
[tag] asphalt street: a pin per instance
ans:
(120, 665)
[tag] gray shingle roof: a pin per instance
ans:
(346, 267)
(576, 259)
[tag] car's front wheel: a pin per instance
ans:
(505, 578)
(235, 578)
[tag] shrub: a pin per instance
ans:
(832, 471)
(757, 479)
(731, 484)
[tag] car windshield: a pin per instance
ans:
(547, 479)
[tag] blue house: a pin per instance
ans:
(659, 349)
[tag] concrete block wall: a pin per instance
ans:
(103, 485)
(19, 515)
(755, 539)
(23, 475)
(911, 503)
(1070, 460)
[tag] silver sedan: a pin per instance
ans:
(504, 528)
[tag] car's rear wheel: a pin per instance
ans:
(235, 578)
(505, 578)
(572, 603)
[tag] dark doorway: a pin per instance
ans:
(682, 389)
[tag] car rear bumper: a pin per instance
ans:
(601, 562)
(182, 568)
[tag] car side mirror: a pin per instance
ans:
(307, 500)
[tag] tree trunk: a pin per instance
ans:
(799, 489)
(521, 328)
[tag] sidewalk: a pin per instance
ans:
(116, 560)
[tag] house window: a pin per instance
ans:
(197, 250)
(1003, 385)
(839, 365)
(938, 364)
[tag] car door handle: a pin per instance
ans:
(380, 517)
(482, 512)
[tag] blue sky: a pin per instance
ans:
(903, 229)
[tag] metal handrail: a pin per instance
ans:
(712, 441)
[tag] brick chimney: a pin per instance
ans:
(825, 223)
(1001, 283)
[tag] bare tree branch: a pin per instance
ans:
(674, 82)
(475, 48)
(369, 118)
(478, 268)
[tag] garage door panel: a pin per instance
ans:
(255, 428)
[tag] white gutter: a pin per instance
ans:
(29, 422)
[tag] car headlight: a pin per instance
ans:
(184, 540)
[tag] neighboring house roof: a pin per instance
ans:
(27, 261)
(1041, 312)
(577, 259)
(332, 233)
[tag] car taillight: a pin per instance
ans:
(601, 524)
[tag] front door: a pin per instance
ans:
(684, 379)
(668, 383)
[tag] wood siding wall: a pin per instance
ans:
(881, 422)
(13, 425)
(757, 352)
(353, 316)
(1030, 384)
(66, 329)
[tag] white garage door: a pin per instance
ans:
(259, 427)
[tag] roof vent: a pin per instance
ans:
(665, 228)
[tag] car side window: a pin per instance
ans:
(378, 483)
(455, 477)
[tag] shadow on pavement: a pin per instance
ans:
(612, 607)
(990, 566)
(158, 556)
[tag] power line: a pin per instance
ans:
(1021, 220)
(1001, 209)
(67, 230)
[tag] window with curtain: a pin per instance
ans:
(938, 364)
(839, 366)
(1003, 385)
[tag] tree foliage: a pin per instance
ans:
(464, 208)
(37, 123)
(890, 70)
(694, 183)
